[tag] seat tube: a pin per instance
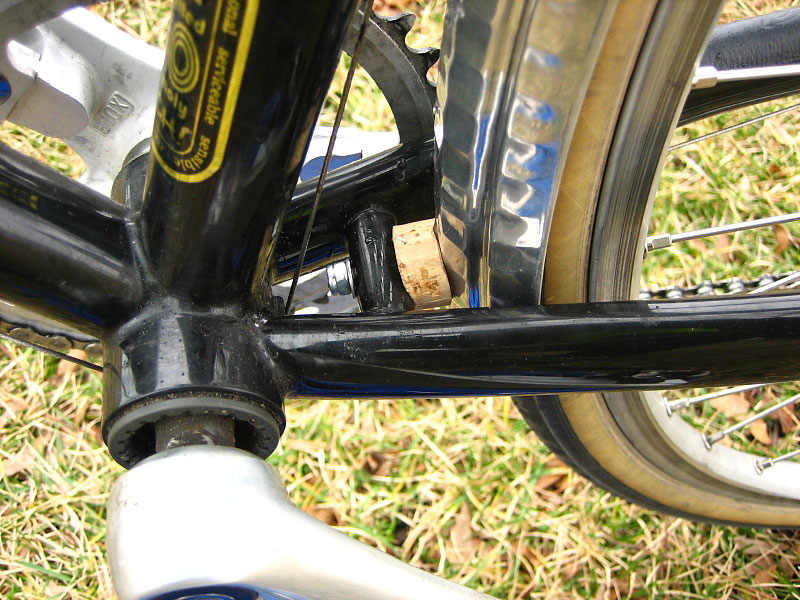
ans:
(242, 85)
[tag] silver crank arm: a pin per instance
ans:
(78, 78)
(205, 520)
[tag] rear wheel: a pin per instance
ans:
(626, 442)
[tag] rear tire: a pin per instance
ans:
(594, 254)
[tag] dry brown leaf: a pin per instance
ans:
(56, 590)
(14, 404)
(731, 405)
(781, 238)
(600, 594)
(389, 7)
(462, 544)
(66, 368)
(759, 431)
(699, 245)
(97, 432)
(722, 244)
(307, 446)
(555, 472)
(788, 567)
(753, 546)
(786, 417)
(377, 464)
(764, 576)
(22, 461)
(322, 513)
(760, 554)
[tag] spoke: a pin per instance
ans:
(673, 405)
(730, 128)
(710, 440)
(776, 284)
(326, 162)
(765, 463)
(707, 77)
(665, 240)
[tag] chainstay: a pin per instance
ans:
(94, 348)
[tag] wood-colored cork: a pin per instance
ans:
(420, 262)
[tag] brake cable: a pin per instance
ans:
(326, 162)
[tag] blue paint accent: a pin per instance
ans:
(226, 592)
(314, 255)
(63, 304)
(5, 89)
(314, 167)
(474, 298)
(312, 387)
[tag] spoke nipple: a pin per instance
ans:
(668, 407)
(760, 465)
(707, 441)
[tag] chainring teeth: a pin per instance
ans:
(398, 27)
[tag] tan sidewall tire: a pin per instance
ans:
(566, 279)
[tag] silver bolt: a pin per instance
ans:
(58, 343)
(340, 278)
(94, 349)
(21, 333)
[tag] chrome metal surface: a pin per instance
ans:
(673, 405)
(665, 69)
(664, 240)
(45, 334)
(792, 277)
(720, 463)
(81, 79)
(213, 516)
(762, 464)
(339, 278)
(513, 76)
(707, 76)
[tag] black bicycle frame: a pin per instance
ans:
(179, 290)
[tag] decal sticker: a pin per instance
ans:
(206, 53)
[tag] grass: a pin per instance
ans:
(460, 487)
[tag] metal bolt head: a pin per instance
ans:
(21, 333)
(95, 349)
(58, 343)
(339, 278)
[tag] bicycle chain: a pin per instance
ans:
(55, 342)
(734, 285)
